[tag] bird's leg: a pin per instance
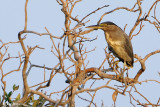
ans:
(124, 66)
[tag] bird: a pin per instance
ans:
(118, 41)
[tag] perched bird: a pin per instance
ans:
(118, 42)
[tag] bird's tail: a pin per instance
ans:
(130, 63)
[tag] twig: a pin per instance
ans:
(94, 12)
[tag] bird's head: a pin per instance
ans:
(106, 26)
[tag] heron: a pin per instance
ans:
(118, 41)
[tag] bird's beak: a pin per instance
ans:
(95, 27)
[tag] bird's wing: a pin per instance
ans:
(120, 44)
(128, 46)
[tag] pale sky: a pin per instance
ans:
(47, 13)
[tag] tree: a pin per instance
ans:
(70, 53)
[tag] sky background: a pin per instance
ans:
(47, 13)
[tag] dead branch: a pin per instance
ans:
(77, 73)
(94, 12)
(119, 8)
(26, 19)
(142, 62)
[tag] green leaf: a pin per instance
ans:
(10, 101)
(36, 102)
(8, 97)
(42, 102)
(9, 94)
(18, 97)
(29, 100)
(15, 87)
(32, 98)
